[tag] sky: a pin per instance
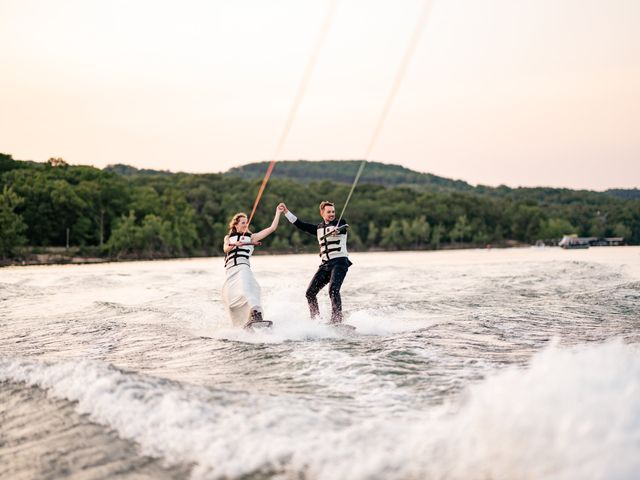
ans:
(521, 93)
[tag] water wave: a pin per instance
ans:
(571, 413)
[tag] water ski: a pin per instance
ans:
(258, 325)
(256, 322)
(344, 327)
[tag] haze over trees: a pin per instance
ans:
(123, 212)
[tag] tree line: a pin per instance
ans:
(161, 215)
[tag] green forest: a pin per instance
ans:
(124, 213)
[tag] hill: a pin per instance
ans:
(344, 171)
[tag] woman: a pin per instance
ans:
(241, 292)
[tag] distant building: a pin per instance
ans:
(574, 241)
(614, 241)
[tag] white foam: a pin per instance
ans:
(290, 315)
(290, 322)
(573, 413)
(293, 324)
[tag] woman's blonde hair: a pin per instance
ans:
(234, 222)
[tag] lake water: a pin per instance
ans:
(478, 364)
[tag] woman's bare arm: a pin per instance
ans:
(227, 245)
(256, 237)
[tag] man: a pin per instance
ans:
(332, 239)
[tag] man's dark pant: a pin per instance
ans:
(333, 273)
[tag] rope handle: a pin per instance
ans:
(332, 232)
(236, 245)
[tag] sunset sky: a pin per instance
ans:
(526, 92)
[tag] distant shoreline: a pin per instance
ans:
(62, 256)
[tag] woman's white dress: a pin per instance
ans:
(240, 292)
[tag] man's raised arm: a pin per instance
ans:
(304, 226)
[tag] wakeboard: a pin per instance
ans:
(259, 325)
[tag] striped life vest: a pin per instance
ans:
(332, 246)
(239, 255)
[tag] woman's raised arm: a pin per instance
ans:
(256, 237)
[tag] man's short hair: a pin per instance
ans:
(326, 203)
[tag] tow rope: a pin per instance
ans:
(400, 74)
(302, 88)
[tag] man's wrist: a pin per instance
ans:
(290, 216)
